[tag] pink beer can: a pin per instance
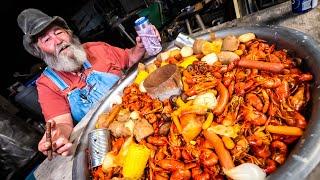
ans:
(149, 39)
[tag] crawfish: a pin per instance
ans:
(231, 111)
(285, 138)
(279, 151)
(176, 152)
(283, 91)
(241, 87)
(186, 155)
(270, 166)
(181, 174)
(199, 174)
(297, 100)
(201, 87)
(300, 121)
(259, 148)
(161, 176)
(268, 82)
(305, 77)
(252, 116)
(170, 164)
(208, 158)
(294, 119)
(157, 141)
(266, 101)
(254, 101)
(173, 138)
(241, 148)
(228, 78)
(273, 58)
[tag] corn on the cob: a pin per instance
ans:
(135, 161)
(142, 75)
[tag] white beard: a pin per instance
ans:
(67, 63)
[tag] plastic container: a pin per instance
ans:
(148, 36)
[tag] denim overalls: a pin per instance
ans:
(82, 100)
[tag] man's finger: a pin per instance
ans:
(65, 148)
(59, 143)
(45, 153)
(138, 39)
(67, 153)
(53, 124)
(43, 146)
(47, 145)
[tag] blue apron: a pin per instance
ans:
(81, 100)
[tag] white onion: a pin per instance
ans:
(246, 171)
(207, 99)
(186, 51)
(210, 58)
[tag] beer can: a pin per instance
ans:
(98, 146)
(301, 6)
(149, 39)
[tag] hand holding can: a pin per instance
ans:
(148, 36)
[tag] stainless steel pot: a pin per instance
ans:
(305, 155)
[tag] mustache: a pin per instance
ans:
(59, 48)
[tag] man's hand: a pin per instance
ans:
(60, 133)
(137, 52)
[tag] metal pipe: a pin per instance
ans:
(122, 29)
(188, 26)
(200, 22)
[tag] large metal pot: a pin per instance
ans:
(305, 155)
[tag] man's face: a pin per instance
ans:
(61, 51)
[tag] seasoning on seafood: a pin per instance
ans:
(237, 116)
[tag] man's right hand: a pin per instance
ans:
(60, 133)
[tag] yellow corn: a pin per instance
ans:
(217, 44)
(208, 121)
(228, 142)
(187, 61)
(135, 161)
(142, 75)
(179, 102)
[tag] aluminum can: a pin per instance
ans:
(301, 6)
(148, 36)
(98, 146)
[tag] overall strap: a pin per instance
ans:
(55, 78)
(87, 65)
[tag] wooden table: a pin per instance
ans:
(61, 167)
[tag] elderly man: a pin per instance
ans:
(77, 76)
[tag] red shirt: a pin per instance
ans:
(102, 56)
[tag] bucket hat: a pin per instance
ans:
(33, 22)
